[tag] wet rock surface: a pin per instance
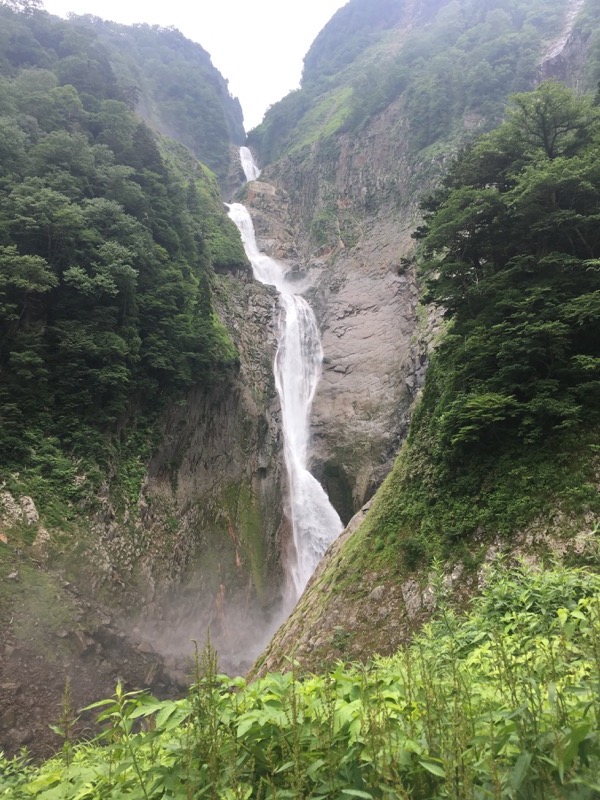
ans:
(359, 280)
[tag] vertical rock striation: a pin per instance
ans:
(343, 214)
(203, 547)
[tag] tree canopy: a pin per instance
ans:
(510, 249)
(173, 84)
(108, 239)
(506, 429)
(448, 62)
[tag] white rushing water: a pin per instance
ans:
(556, 47)
(315, 523)
(251, 171)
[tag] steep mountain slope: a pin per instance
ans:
(502, 451)
(140, 485)
(141, 445)
(349, 155)
(174, 87)
(169, 80)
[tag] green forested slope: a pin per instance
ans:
(174, 86)
(444, 60)
(169, 78)
(346, 36)
(108, 240)
(508, 419)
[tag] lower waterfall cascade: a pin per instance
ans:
(297, 368)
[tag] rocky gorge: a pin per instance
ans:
(191, 534)
(199, 549)
(366, 303)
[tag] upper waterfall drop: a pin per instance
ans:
(315, 523)
(251, 171)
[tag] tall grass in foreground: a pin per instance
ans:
(502, 702)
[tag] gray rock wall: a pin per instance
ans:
(123, 595)
(341, 214)
(202, 546)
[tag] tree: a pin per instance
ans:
(511, 251)
(551, 119)
(22, 279)
(23, 6)
(44, 222)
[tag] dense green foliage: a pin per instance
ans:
(169, 79)
(464, 63)
(346, 35)
(499, 703)
(509, 250)
(105, 256)
(175, 87)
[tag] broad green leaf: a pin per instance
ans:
(145, 709)
(314, 767)
(165, 712)
(433, 766)
(176, 718)
(520, 771)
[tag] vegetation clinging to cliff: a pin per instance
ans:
(175, 87)
(349, 32)
(169, 79)
(510, 251)
(508, 418)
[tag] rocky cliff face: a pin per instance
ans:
(566, 58)
(199, 548)
(341, 211)
(343, 218)
(203, 545)
(343, 200)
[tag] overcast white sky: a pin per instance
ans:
(258, 45)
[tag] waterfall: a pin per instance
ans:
(315, 523)
(251, 171)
